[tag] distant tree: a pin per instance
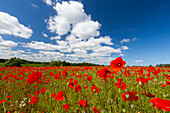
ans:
(13, 62)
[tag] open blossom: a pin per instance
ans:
(83, 103)
(129, 96)
(120, 84)
(34, 76)
(34, 100)
(117, 64)
(96, 110)
(94, 89)
(60, 96)
(161, 104)
(66, 106)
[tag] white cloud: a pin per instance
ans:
(125, 48)
(45, 35)
(134, 39)
(67, 13)
(40, 46)
(48, 2)
(86, 29)
(34, 5)
(107, 49)
(10, 25)
(55, 38)
(139, 61)
(125, 40)
(6, 44)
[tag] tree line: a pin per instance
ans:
(19, 62)
(163, 65)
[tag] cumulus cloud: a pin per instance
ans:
(125, 48)
(48, 2)
(6, 44)
(11, 26)
(67, 13)
(55, 38)
(40, 46)
(107, 49)
(86, 29)
(45, 35)
(125, 41)
(139, 61)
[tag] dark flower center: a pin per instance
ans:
(119, 65)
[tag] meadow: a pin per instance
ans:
(84, 89)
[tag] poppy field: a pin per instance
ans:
(85, 89)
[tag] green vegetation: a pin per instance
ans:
(24, 63)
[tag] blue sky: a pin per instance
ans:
(94, 31)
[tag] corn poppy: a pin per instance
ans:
(117, 64)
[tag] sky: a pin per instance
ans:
(94, 31)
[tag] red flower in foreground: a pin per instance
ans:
(52, 95)
(96, 110)
(34, 76)
(168, 83)
(120, 84)
(94, 89)
(129, 96)
(66, 106)
(60, 96)
(161, 104)
(104, 73)
(163, 85)
(83, 103)
(78, 88)
(148, 94)
(117, 64)
(9, 96)
(34, 100)
(2, 101)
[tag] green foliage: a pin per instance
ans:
(13, 62)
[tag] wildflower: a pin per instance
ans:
(94, 89)
(117, 64)
(129, 96)
(83, 103)
(66, 106)
(34, 100)
(96, 110)
(60, 96)
(78, 88)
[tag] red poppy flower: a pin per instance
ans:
(129, 96)
(96, 110)
(72, 84)
(66, 106)
(120, 84)
(94, 89)
(52, 95)
(60, 96)
(117, 64)
(9, 96)
(78, 88)
(104, 74)
(83, 103)
(2, 101)
(148, 95)
(34, 76)
(168, 83)
(163, 85)
(34, 100)
(161, 104)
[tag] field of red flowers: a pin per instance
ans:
(92, 89)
